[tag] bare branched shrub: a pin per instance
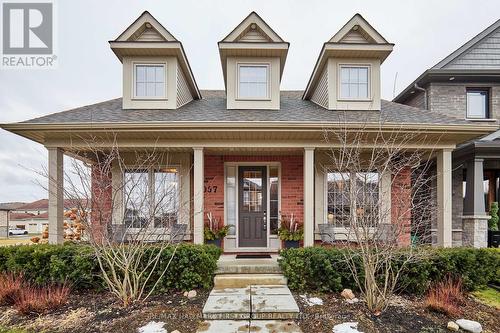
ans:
(133, 202)
(379, 194)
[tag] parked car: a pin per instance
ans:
(17, 231)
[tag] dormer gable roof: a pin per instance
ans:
(148, 37)
(252, 37)
(356, 39)
(359, 28)
(145, 24)
(252, 24)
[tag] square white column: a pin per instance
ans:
(56, 196)
(198, 187)
(444, 197)
(308, 197)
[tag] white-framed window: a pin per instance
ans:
(354, 82)
(150, 81)
(253, 81)
(477, 103)
(151, 197)
(349, 193)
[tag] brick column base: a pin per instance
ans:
(475, 231)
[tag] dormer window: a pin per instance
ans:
(253, 57)
(253, 81)
(354, 82)
(150, 81)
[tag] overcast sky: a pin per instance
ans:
(423, 31)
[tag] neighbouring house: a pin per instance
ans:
(34, 216)
(4, 221)
(252, 150)
(466, 85)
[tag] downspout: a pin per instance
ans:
(425, 94)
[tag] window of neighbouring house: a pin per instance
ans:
(352, 193)
(354, 82)
(253, 81)
(150, 81)
(151, 196)
(477, 103)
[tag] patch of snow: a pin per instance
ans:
(351, 327)
(312, 301)
(153, 327)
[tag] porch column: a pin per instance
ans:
(198, 187)
(56, 196)
(444, 195)
(308, 197)
(475, 219)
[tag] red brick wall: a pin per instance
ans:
(101, 202)
(401, 204)
(214, 186)
(292, 182)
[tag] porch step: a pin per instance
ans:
(230, 265)
(222, 281)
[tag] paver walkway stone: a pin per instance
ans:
(248, 326)
(254, 302)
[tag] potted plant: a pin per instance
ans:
(290, 231)
(214, 230)
(493, 233)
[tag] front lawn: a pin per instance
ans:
(489, 296)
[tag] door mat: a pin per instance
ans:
(253, 256)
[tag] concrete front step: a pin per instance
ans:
(222, 281)
(230, 265)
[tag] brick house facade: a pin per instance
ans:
(223, 144)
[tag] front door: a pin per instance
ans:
(252, 203)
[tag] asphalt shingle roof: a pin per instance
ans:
(212, 108)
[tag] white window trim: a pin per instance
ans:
(268, 83)
(339, 81)
(488, 104)
(342, 229)
(150, 172)
(134, 83)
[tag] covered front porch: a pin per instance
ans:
(246, 186)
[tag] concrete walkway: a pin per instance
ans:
(257, 308)
(254, 302)
(248, 326)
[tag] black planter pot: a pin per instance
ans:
(493, 238)
(291, 244)
(215, 242)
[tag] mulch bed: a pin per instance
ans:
(99, 312)
(406, 314)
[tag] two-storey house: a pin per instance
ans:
(466, 85)
(252, 150)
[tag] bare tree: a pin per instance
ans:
(134, 205)
(379, 192)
